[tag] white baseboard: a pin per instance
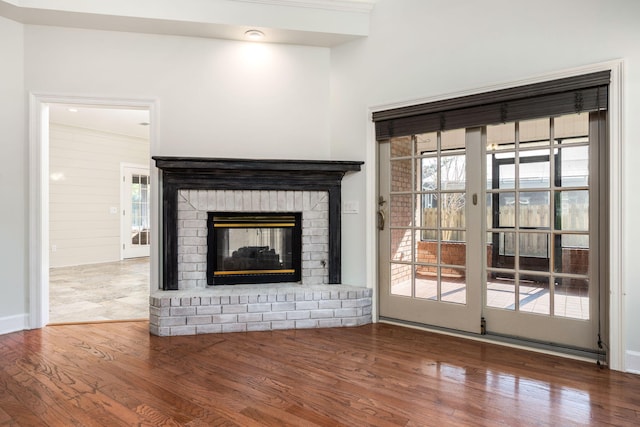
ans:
(632, 364)
(19, 322)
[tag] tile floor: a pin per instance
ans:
(100, 292)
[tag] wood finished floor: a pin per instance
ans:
(116, 374)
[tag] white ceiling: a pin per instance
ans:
(114, 120)
(324, 23)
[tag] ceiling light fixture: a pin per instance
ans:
(73, 110)
(254, 35)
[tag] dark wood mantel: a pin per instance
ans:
(199, 173)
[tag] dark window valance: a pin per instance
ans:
(588, 92)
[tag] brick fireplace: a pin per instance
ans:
(193, 188)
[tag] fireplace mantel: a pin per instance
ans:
(197, 173)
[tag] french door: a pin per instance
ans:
(136, 230)
(495, 229)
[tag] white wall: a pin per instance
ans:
(14, 187)
(427, 48)
(86, 166)
(215, 98)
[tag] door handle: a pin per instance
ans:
(381, 217)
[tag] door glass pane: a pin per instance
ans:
(534, 169)
(453, 249)
(534, 251)
(571, 298)
(401, 279)
(429, 211)
(501, 137)
(429, 167)
(401, 175)
(452, 172)
(427, 282)
(533, 296)
(572, 254)
(400, 211)
(452, 211)
(427, 251)
(502, 250)
(571, 128)
(426, 142)
(454, 287)
(505, 214)
(501, 290)
(574, 166)
(534, 209)
(534, 132)
(401, 244)
(452, 139)
(400, 147)
(572, 210)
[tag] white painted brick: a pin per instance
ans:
(316, 280)
(186, 232)
(289, 201)
(297, 315)
(307, 305)
(359, 302)
(187, 215)
(258, 308)
(283, 306)
(259, 326)
(224, 300)
(322, 314)
(246, 200)
(224, 318)
(234, 299)
(280, 201)
(272, 298)
(249, 317)
(234, 327)
(297, 201)
(366, 311)
(198, 320)
(255, 200)
(229, 200)
(183, 311)
(271, 316)
(211, 200)
(159, 311)
(234, 308)
(182, 330)
(185, 301)
(346, 312)
(176, 302)
(264, 201)
(208, 329)
(273, 200)
(208, 309)
(220, 201)
(238, 202)
(194, 275)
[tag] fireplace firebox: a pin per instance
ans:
(253, 247)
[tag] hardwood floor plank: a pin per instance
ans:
(376, 375)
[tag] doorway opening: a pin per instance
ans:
(95, 271)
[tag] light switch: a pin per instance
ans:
(351, 207)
